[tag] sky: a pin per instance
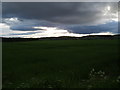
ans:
(54, 19)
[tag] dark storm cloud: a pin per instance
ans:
(23, 28)
(65, 13)
(109, 27)
(82, 18)
(24, 33)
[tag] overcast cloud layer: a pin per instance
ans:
(82, 18)
(60, 1)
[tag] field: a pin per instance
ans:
(61, 64)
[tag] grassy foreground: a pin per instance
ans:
(61, 64)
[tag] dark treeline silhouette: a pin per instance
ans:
(18, 39)
(90, 37)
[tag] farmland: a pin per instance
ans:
(61, 64)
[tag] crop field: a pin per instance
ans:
(61, 64)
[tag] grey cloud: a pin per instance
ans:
(61, 1)
(28, 24)
(59, 12)
(23, 28)
(29, 33)
(109, 27)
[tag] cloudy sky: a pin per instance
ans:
(53, 19)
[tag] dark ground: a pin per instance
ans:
(61, 64)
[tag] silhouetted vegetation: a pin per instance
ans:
(110, 37)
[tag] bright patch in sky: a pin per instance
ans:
(4, 29)
(108, 8)
(42, 32)
(45, 32)
(53, 32)
(12, 19)
(103, 33)
(111, 16)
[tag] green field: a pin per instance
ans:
(61, 64)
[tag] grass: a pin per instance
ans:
(60, 64)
